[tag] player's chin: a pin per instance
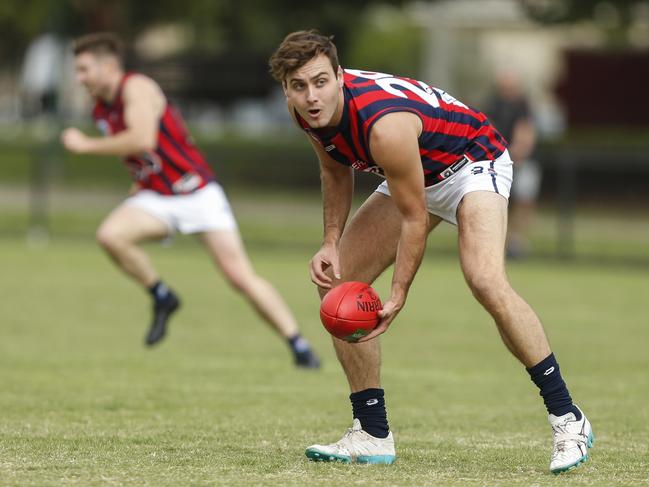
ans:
(318, 120)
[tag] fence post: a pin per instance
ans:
(567, 195)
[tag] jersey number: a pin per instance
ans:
(422, 90)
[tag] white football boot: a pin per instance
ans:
(572, 439)
(355, 446)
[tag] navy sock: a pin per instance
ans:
(298, 344)
(161, 293)
(547, 377)
(369, 408)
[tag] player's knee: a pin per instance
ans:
(488, 289)
(108, 238)
(239, 281)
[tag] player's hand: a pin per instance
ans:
(389, 312)
(326, 257)
(75, 141)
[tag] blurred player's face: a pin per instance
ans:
(96, 73)
(316, 92)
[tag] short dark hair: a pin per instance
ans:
(297, 49)
(99, 43)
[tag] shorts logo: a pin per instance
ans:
(329, 148)
(480, 170)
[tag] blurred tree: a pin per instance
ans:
(386, 40)
(554, 11)
(613, 16)
(217, 24)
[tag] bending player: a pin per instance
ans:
(441, 160)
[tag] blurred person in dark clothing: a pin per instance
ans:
(509, 110)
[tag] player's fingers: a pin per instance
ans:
(318, 276)
(335, 266)
(388, 310)
(380, 329)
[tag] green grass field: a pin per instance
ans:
(82, 402)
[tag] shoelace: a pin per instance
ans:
(346, 441)
(563, 438)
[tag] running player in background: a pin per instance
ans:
(441, 160)
(175, 190)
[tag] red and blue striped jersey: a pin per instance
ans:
(450, 129)
(175, 166)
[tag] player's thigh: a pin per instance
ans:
(369, 243)
(482, 227)
(132, 224)
(228, 252)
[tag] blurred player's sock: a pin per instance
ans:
(547, 377)
(165, 302)
(369, 408)
(302, 353)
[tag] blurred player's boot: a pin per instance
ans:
(572, 439)
(356, 446)
(307, 359)
(303, 355)
(162, 310)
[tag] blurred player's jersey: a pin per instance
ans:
(451, 130)
(175, 166)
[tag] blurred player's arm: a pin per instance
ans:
(143, 106)
(523, 140)
(394, 147)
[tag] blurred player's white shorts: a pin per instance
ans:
(443, 198)
(527, 181)
(203, 210)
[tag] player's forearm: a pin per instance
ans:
(412, 244)
(121, 144)
(337, 191)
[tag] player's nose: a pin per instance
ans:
(312, 95)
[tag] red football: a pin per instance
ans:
(350, 310)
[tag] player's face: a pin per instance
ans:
(90, 71)
(316, 92)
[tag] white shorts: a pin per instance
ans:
(443, 198)
(203, 210)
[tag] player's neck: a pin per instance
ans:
(338, 114)
(113, 84)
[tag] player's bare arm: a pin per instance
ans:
(337, 183)
(394, 147)
(143, 106)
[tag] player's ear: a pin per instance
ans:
(285, 88)
(340, 77)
